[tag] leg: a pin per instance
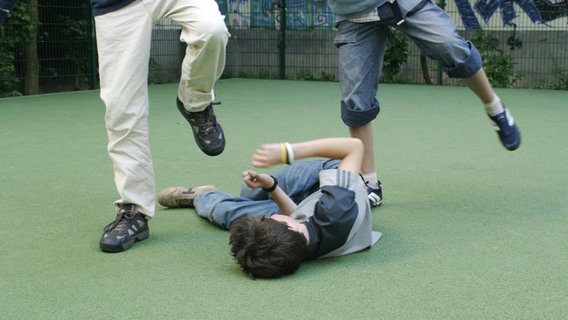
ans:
(361, 52)
(365, 134)
(479, 84)
(374, 186)
(123, 44)
(436, 35)
(206, 36)
(222, 209)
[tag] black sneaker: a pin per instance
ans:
(128, 227)
(207, 131)
(375, 195)
(506, 129)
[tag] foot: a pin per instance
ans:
(207, 132)
(506, 130)
(180, 197)
(375, 195)
(129, 227)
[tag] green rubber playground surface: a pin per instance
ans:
(471, 230)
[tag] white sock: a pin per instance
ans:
(495, 107)
(371, 179)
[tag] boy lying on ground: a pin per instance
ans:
(306, 210)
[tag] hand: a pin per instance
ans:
(256, 180)
(267, 155)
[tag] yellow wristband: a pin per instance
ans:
(284, 152)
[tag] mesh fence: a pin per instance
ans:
(521, 48)
(47, 48)
(51, 47)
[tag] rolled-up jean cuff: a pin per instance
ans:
(469, 67)
(358, 118)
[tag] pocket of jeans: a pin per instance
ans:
(346, 33)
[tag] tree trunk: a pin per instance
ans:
(31, 83)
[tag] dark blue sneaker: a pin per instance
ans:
(129, 227)
(375, 195)
(506, 129)
(207, 131)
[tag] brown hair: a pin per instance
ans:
(266, 248)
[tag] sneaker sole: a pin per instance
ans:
(375, 200)
(127, 245)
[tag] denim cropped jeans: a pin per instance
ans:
(362, 48)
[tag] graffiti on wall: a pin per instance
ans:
(310, 14)
(300, 14)
(539, 11)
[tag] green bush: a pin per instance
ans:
(396, 54)
(499, 67)
(15, 32)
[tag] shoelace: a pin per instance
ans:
(503, 122)
(120, 223)
(206, 121)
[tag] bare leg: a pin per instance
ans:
(479, 84)
(365, 134)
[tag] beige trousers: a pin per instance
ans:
(123, 45)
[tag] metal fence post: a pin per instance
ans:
(282, 40)
(93, 74)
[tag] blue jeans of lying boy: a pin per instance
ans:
(297, 180)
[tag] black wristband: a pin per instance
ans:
(273, 186)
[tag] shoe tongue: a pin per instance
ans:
(128, 214)
(208, 124)
(127, 206)
(128, 210)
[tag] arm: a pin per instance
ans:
(348, 150)
(259, 180)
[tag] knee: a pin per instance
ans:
(216, 28)
(468, 66)
(212, 206)
(210, 31)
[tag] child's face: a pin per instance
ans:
(293, 225)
